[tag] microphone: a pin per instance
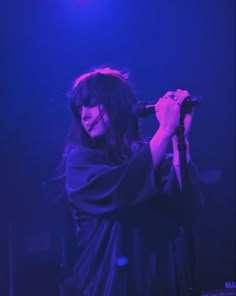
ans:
(144, 109)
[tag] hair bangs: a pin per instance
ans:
(91, 90)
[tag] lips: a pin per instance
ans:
(88, 127)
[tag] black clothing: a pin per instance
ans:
(131, 240)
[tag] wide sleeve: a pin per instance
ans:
(171, 198)
(167, 172)
(98, 188)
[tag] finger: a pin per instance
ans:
(168, 94)
(182, 92)
(160, 100)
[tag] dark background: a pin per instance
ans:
(164, 45)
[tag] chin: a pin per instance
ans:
(94, 135)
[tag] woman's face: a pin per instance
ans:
(94, 120)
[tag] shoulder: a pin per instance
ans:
(80, 155)
(76, 152)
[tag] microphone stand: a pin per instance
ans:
(186, 194)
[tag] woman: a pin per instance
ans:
(125, 193)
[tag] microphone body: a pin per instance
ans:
(143, 109)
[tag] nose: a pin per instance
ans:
(85, 113)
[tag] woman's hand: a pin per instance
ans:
(168, 110)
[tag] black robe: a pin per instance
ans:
(131, 240)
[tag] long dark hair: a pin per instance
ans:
(111, 89)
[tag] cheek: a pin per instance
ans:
(94, 113)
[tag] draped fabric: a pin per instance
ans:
(131, 240)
